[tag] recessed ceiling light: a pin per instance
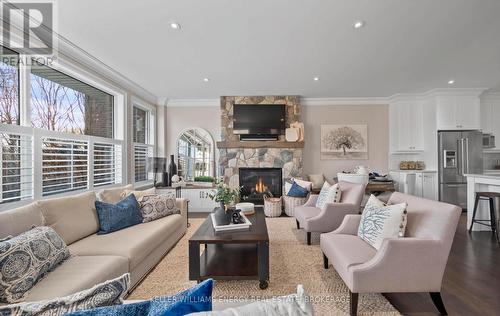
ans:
(175, 25)
(450, 82)
(358, 24)
(316, 78)
(206, 79)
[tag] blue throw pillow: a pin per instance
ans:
(297, 191)
(193, 300)
(113, 217)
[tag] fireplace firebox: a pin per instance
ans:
(257, 183)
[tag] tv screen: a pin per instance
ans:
(259, 119)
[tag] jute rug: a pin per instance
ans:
(292, 262)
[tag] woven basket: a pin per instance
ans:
(291, 202)
(272, 207)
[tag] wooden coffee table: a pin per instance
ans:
(231, 255)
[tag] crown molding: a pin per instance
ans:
(490, 96)
(476, 92)
(303, 102)
(191, 102)
(343, 101)
(346, 101)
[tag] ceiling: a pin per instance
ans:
(264, 47)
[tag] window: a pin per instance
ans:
(140, 125)
(195, 154)
(64, 104)
(64, 165)
(16, 160)
(63, 135)
(17, 166)
(143, 149)
(9, 87)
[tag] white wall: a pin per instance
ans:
(183, 117)
(375, 116)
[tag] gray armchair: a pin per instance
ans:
(415, 263)
(331, 215)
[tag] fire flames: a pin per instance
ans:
(260, 187)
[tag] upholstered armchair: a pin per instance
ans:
(329, 217)
(415, 263)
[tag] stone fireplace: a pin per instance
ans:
(257, 183)
(235, 154)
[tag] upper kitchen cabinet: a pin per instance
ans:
(490, 114)
(458, 111)
(406, 125)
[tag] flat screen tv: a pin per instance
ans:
(259, 119)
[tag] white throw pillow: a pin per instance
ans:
(328, 194)
(299, 304)
(380, 221)
(317, 180)
(288, 186)
(305, 184)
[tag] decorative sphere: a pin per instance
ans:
(175, 178)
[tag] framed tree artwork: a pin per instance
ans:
(344, 142)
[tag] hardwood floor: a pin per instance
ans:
(471, 284)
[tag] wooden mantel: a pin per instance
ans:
(259, 144)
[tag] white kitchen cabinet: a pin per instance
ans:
(417, 183)
(429, 185)
(407, 126)
(458, 112)
(404, 182)
(490, 115)
(426, 185)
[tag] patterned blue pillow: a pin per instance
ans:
(27, 258)
(297, 191)
(380, 221)
(104, 294)
(113, 217)
(323, 195)
(193, 300)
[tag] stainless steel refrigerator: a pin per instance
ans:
(460, 153)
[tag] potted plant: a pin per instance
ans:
(225, 196)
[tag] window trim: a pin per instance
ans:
(150, 138)
(120, 114)
(211, 159)
(19, 83)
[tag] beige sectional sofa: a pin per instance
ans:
(95, 258)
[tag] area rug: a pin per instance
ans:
(292, 262)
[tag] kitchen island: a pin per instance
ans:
(480, 183)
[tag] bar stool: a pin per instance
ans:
(490, 196)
